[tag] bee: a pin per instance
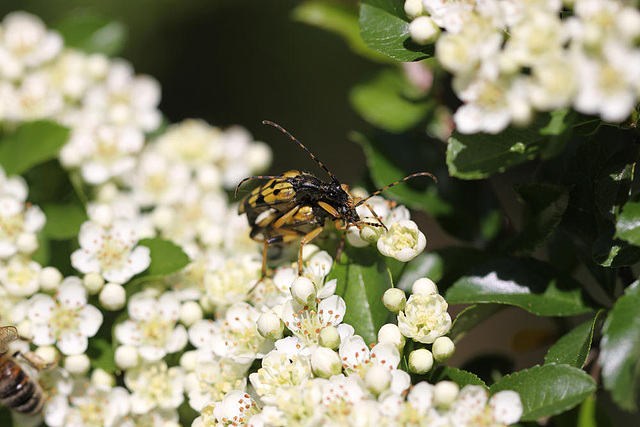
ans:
(18, 391)
(297, 205)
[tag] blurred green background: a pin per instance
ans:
(231, 62)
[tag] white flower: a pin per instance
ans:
(212, 378)
(356, 356)
(102, 152)
(154, 385)
(152, 325)
(506, 406)
(403, 241)
(236, 407)
(35, 98)
(306, 322)
(157, 179)
(110, 251)
(424, 318)
(66, 319)
(20, 276)
(16, 220)
(279, 371)
(231, 282)
(25, 43)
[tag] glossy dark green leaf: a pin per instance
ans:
(613, 183)
(31, 144)
(527, 283)
(428, 264)
(471, 317)
(362, 280)
(628, 223)
(620, 349)
(389, 101)
(166, 257)
(477, 156)
(544, 206)
(466, 210)
(590, 413)
(63, 221)
(609, 251)
(458, 376)
(93, 34)
(573, 348)
(338, 18)
(547, 390)
(384, 26)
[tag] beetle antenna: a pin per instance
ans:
(293, 138)
(413, 175)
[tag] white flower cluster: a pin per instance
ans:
(510, 58)
(401, 239)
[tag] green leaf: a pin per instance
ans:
(166, 257)
(547, 390)
(480, 155)
(545, 205)
(628, 224)
(608, 251)
(620, 349)
(63, 221)
(362, 280)
(93, 34)
(458, 376)
(467, 210)
(424, 265)
(471, 317)
(588, 414)
(389, 101)
(527, 283)
(31, 144)
(573, 348)
(384, 26)
(340, 19)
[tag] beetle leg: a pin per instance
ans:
(377, 217)
(327, 207)
(284, 218)
(306, 239)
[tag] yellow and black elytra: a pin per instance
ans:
(297, 204)
(18, 391)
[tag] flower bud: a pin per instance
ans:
(443, 348)
(420, 361)
(377, 379)
(126, 356)
(506, 406)
(445, 393)
(325, 362)
(27, 243)
(391, 333)
(190, 313)
(50, 278)
(189, 360)
(394, 299)
(413, 8)
(423, 30)
(93, 282)
(112, 296)
(48, 353)
(77, 364)
(329, 337)
(102, 379)
(303, 291)
(270, 325)
(424, 286)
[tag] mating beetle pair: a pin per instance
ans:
(297, 205)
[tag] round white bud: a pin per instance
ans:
(126, 356)
(48, 353)
(394, 299)
(423, 30)
(93, 283)
(325, 362)
(371, 234)
(443, 348)
(420, 361)
(112, 296)
(102, 215)
(163, 217)
(270, 325)
(413, 8)
(24, 328)
(107, 192)
(258, 157)
(377, 379)
(50, 278)
(98, 65)
(102, 379)
(190, 313)
(445, 393)
(208, 177)
(189, 360)
(303, 291)
(391, 333)
(329, 337)
(27, 243)
(424, 286)
(206, 304)
(77, 364)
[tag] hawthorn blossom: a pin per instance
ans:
(404, 241)
(155, 385)
(19, 222)
(306, 323)
(279, 371)
(65, 319)
(20, 276)
(424, 318)
(110, 251)
(212, 379)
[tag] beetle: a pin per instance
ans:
(297, 205)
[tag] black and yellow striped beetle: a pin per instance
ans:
(297, 204)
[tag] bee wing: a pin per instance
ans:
(7, 334)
